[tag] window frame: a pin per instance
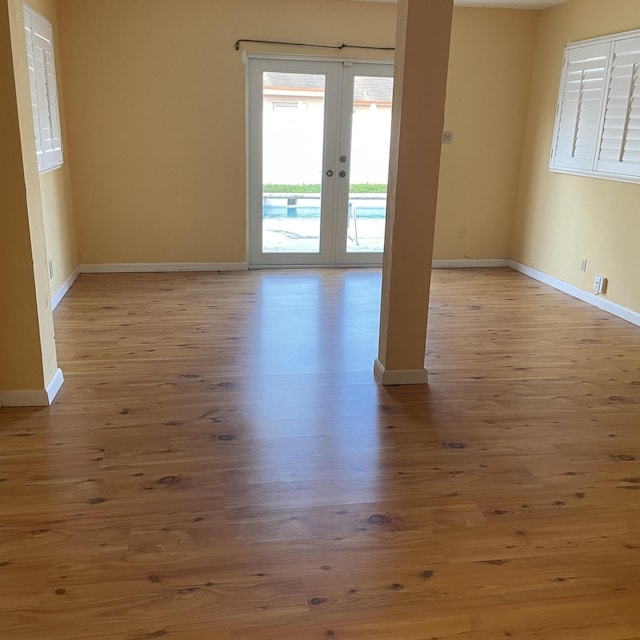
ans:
(44, 91)
(556, 164)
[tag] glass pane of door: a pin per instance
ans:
(369, 163)
(292, 163)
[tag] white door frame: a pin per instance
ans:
(337, 141)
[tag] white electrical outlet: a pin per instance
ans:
(599, 283)
(583, 266)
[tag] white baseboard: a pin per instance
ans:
(64, 289)
(390, 378)
(162, 267)
(36, 398)
(54, 386)
(471, 264)
(585, 296)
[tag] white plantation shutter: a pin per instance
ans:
(579, 108)
(597, 131)
(44, 95)
(32, 85)
(619, 151)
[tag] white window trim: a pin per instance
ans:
(593, 171)
(44, 92)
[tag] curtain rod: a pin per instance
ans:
(338, 47)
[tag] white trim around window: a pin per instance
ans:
(597, 129)
(44, 91)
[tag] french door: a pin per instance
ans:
(319, 135)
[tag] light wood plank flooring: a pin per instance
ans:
(220, 465)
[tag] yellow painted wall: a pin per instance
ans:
(489, 78)
(156, 102)
(563, 219)
(155, 97)
(27, 347)
(57, 205)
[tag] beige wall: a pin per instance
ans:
(27, 348)
(155, 94)
(489, 78)
(57, 206)
(563, 219)
(155, 97)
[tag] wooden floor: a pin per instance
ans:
(221, 466)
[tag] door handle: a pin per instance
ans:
(329, 173)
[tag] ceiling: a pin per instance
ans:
(503, 4)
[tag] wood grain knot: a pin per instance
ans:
(223, 438)
(61, 592)
(379, 519)
(497, 563)
(4, 564)
(455, 445)
(330, 634)
(396, 586)
(427, 574)
(170, 480)
(326, 567)
(500, 512)
(624, 458)
(154, 579)
(317, 601)
(632, 480)
(96, 500)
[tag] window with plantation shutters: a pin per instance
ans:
(44, 94)
(578, 125)
(620, 146)
(597, 131)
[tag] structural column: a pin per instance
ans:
(422, 61)
(29, 374)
